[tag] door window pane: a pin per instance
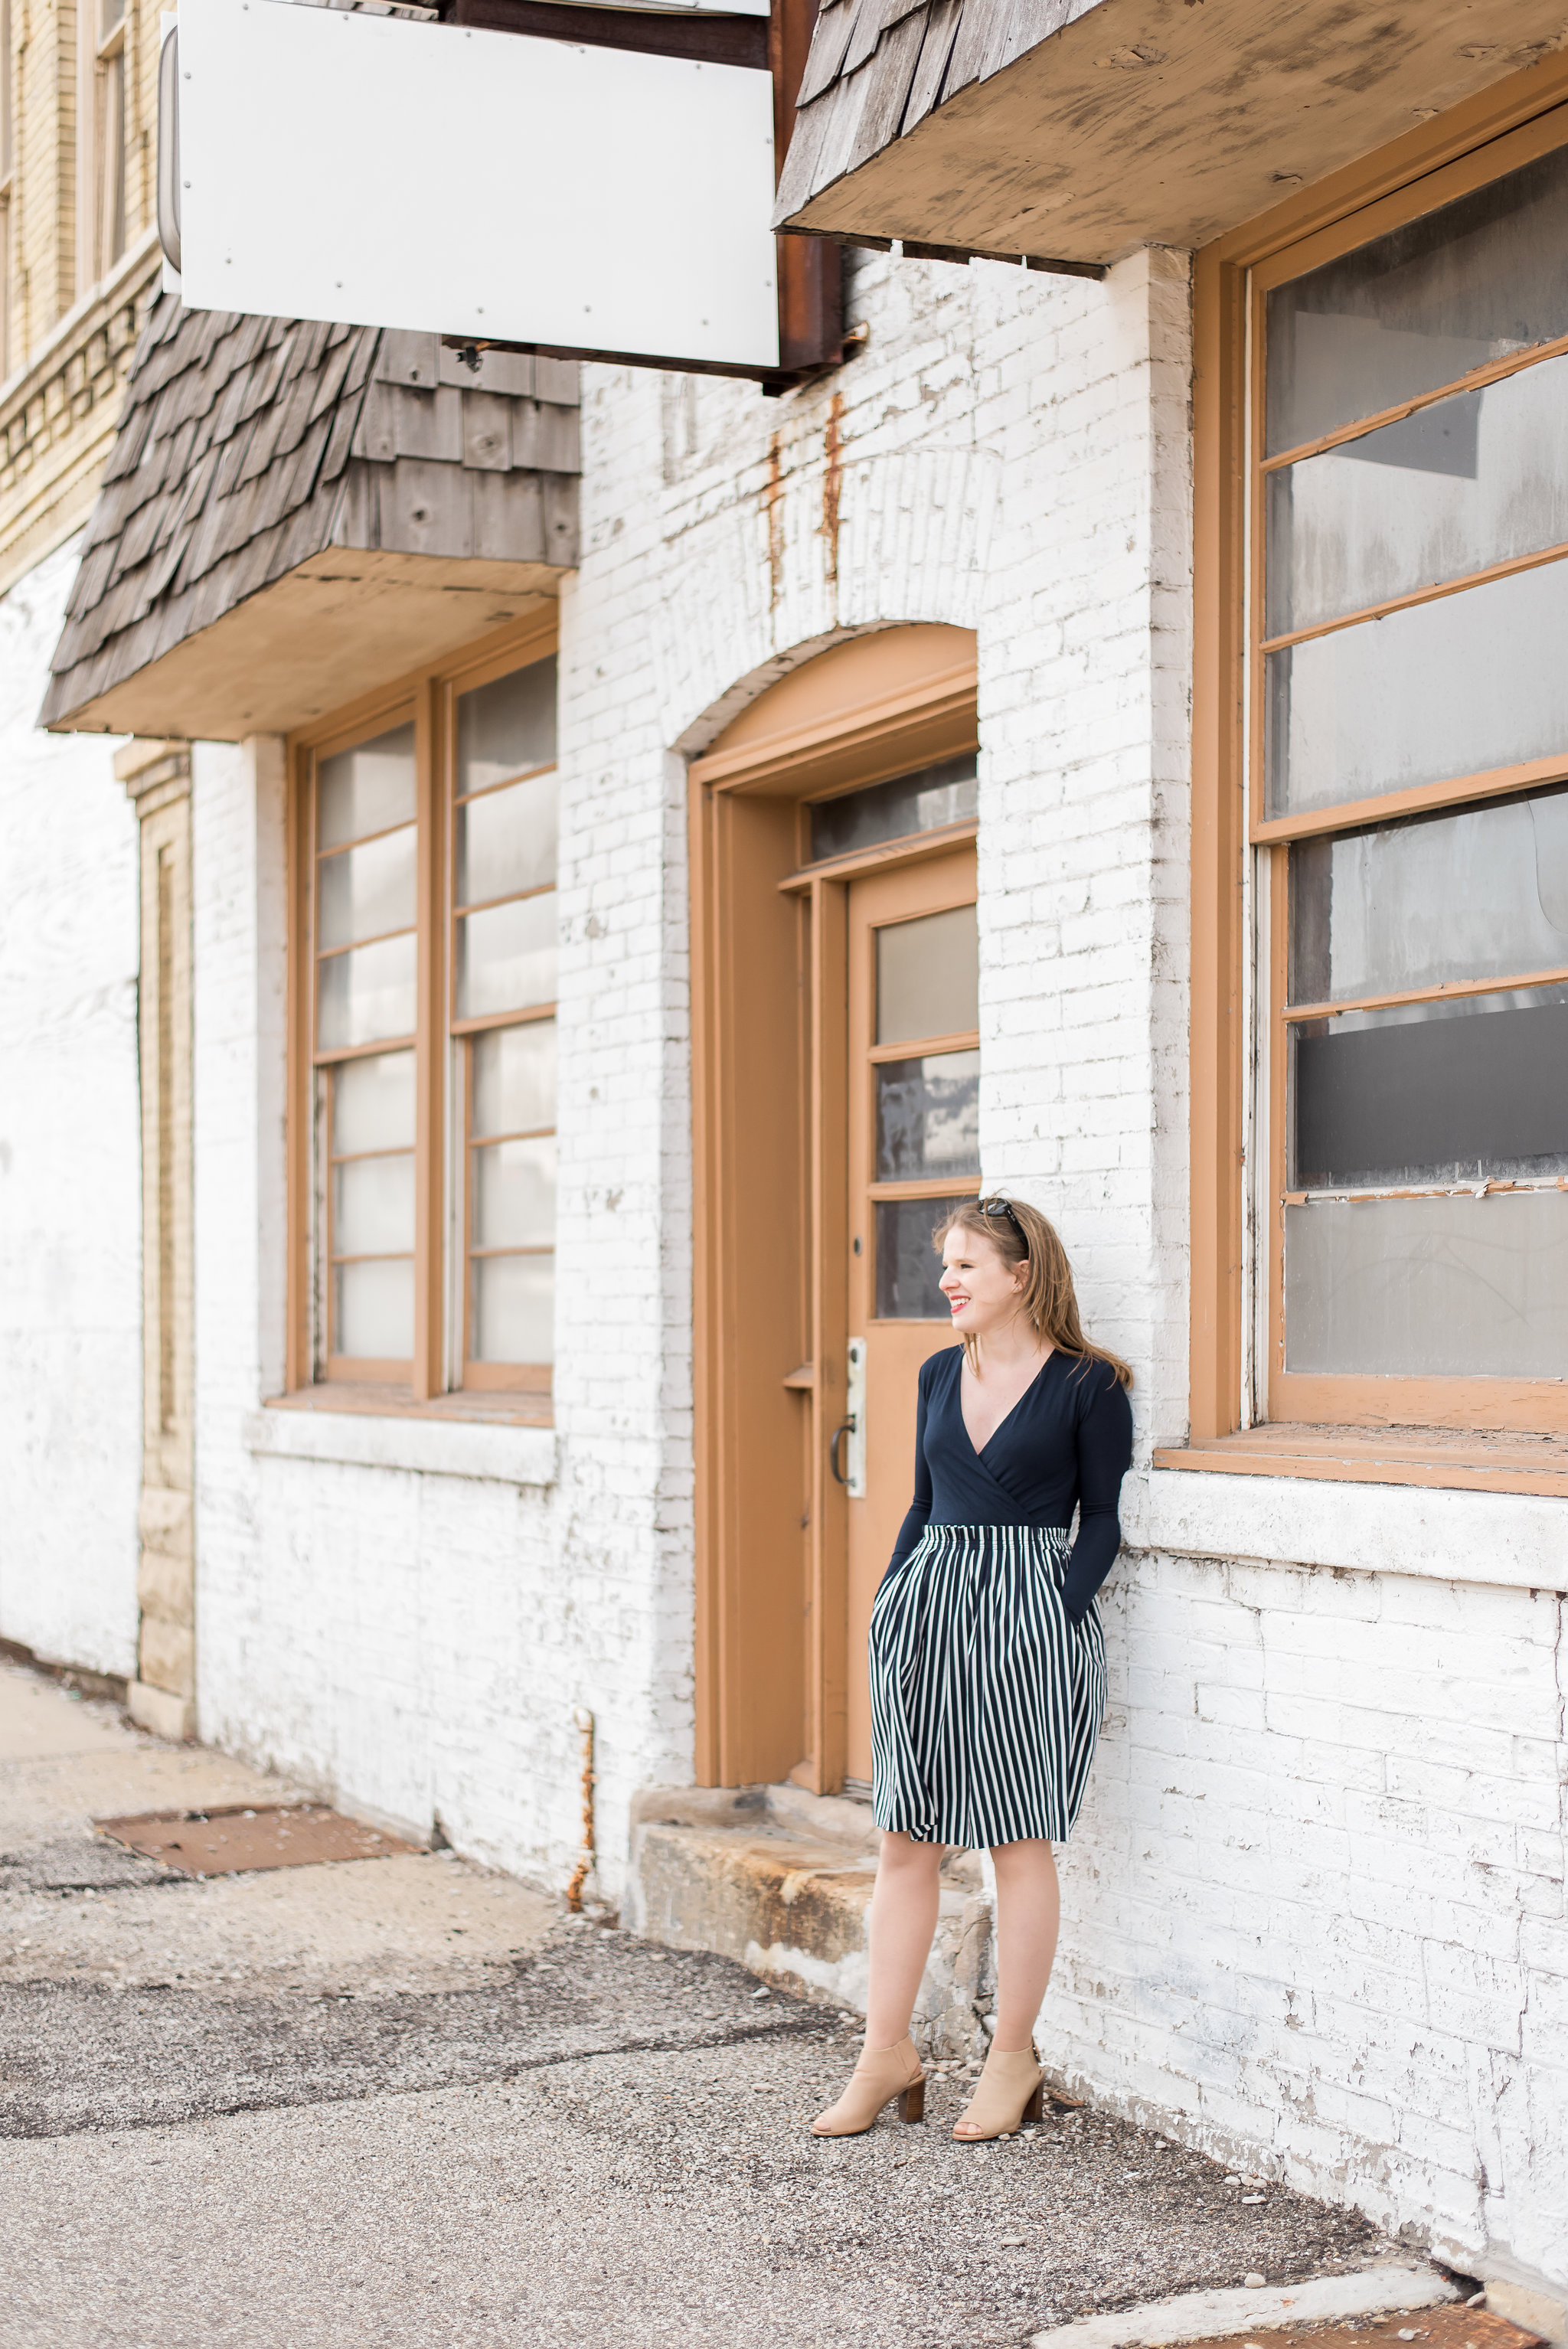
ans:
(1478, 479)
(928, 1117)
(513, 1079)
(373, 1311)
(1443, 1288)
(373, 1103)
(908, 1267)
(367, 789)
(507, 726)
(1433, 1092)
(1473, 281)
(923, 802)
(514, 1193)
(366, 993)
(513, 1309)
(1482, 893)
(1470, 683)
(506, 956)
(367, 891)
(928, 976)
(506, 841)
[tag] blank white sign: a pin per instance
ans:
(390, 173)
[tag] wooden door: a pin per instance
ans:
(913, 1135)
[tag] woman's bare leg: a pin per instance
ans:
(902, 1920)
(1028, 1912)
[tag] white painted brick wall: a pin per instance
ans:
(70, 1173)
(1315, 1903)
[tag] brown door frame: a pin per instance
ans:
(769, 1038)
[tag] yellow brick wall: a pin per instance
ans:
(68, 346)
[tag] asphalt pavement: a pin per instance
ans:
(408, 2101)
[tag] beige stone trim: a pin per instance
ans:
(157, 779)
(58, 414)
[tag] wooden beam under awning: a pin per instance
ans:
(1147, 121)
(339, 626)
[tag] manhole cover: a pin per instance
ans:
(234, 1839)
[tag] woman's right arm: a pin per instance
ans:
(915, 1523)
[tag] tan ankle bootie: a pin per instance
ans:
(1009, 2091)
(881, 2074)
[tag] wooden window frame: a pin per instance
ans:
(434, 1378)
(96, 54)
(1497, 1433)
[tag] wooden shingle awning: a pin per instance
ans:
(1078, 130)
(295, 512)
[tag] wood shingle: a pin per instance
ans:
(249, 446)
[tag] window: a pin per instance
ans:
(426, 881)
(7, 170)
(102, 104)
(1409, 784)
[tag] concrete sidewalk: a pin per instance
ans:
(402, 2101)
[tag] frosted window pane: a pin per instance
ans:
(373, 1206)
(1473, 281)
(1470, 481)
(373, 1311)
(1470, 682)
(908, 1267)
(367, 789)
(1459, 1288)
(506, 841)
(928, 1117)
(947, 793)
(513, 1079)
(928, 976)
(373, 1103)
(367, 891)
(506, 956)
(506, 727)
(514, 1309)
(1480, 894)
(1433, 1092)
(514, 1193)
(366, 993)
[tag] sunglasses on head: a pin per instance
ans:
(995, 1209)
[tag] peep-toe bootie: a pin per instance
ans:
(1009, 2091)
(881, 2074)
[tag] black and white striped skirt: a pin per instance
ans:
(987, 1698)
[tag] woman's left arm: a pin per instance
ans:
(1104, 1437)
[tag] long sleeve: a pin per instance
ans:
(919, 1513)
(1104, 1455)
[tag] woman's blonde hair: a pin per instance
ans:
(1020, 1234)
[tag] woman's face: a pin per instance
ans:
(983, 1290)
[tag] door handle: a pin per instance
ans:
(845, 1427)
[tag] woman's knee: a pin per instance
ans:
(902, 1854)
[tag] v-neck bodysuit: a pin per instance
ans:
(1067, 1443)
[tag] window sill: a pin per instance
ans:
(1460, 1459)
(498, 1438)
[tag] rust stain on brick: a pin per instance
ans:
(833, 484)
(773, 505)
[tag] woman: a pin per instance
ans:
(987, 1666)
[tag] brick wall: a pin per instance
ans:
(70, 1229)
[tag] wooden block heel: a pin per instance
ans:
(1035, 2109)
(912, 2103)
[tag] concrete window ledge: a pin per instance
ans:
(423, 1447)
(1515, 1540)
